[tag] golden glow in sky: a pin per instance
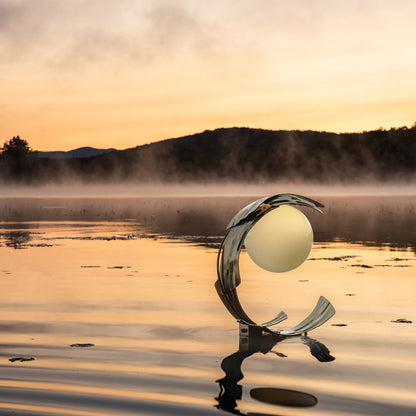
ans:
(103, 73)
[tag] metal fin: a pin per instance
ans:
(321, 313)
(281, 316)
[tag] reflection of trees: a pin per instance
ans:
(251, 342)
(387, 221)
(17, 239)
(370, 220)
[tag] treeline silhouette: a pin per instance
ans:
(231, 154)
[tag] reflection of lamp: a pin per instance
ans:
(252, 340)
(229, 273)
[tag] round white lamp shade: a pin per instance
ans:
(281, 240)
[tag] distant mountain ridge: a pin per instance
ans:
(80, 152)
(237, 154)
(255, 155)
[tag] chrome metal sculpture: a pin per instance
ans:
(229, 272)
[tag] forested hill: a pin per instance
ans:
(252, 155)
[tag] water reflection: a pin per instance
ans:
(142, 364)
(251, 341)
(378, 220)
(17, 239)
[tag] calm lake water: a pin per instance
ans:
(108, 307)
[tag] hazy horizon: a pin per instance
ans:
(230, 189)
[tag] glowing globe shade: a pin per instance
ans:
(281, 240)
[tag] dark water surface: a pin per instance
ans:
(377, 219)
(113, 298)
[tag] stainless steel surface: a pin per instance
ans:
(228, 269)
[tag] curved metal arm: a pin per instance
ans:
(228, 269)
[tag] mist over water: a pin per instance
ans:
(371, 215)
(79, 189)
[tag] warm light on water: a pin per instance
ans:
(143, 294)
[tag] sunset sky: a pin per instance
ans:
(107, 73)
